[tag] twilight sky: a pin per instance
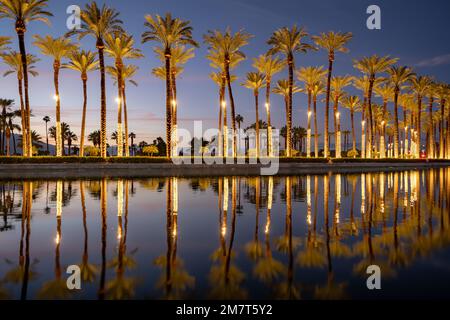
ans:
(414, 31)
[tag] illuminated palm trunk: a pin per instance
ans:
(308, 130)
(316, 129)
(125, 115)
(269, 123)
(168, 56)
(233, 112)
(431, 143)
(225, 129)
(83, 116)
(338, 135)
(56, 67)
(257, 122)
(101, 57)
(363, 139)
(396, 131)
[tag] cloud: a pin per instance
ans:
(434, 62)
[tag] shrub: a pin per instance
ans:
(150, 150)
(91, 151)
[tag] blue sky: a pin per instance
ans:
(414, 31)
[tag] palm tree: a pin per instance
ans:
(5, 105)
(386, 93)
(98, 22)
(46, 119)
(169, 33)
(83, 62)
(128, 72)
(317, 90)
(284, 89)
(310, 76)
(420, 86)
(431, 130)
(255, 81)
(221, 80)
(70, 137)
(337, 86)
(13, 60)
(442, 92)
(95, 138)
(397, 77)
(269, 66)
(35, 140)
(371, 66)
(288, 42)
(22, 12)
(132, 136)
(120, 46)
(239, 120)
(354, 105)
(332, 42)
(180, 56)
(57, 48)
(226, 47)
(12, 126)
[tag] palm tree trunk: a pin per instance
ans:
(371, 124)
(269, 125)
(431, 129)
(316, 130)
(327, 104)
(119, 67)
(308, 130)
(168, 106)
(125, 114)
(233, 113)
(59, 145)
(23, 119)
(289, 111)
(419, 126)
(219, 134)
(442, 131)
(257, 122)
(83, 117)
(174, 113)
(101, 58)
(26, 139)
(396, 133)
(225, 123)
(46, 136)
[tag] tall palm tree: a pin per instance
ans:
(269, 66)
(386, 93)
(83, 62)
(120, 46)
(318, 89)
(310, 76)
(337, 86)
(255, 81)
(371, 66)
(398, 76)
(98, 22)
(283, 88)
(226, 46)
(288, 42)
(431, 136)
(180, 56)
(353, 104)
(13, 60)
(332, 42)
(169, 32)
(46, 119)
(22, 12)
(128, 72)
(419, 86)
(57, 48)
(442, 92)
(220, 78)
(6, 105)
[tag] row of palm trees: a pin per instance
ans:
(397, 84)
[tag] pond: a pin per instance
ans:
(293, 237)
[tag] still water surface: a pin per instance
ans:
(299, 237)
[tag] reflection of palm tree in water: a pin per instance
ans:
(88, 271)
(253, 248)
(103, 202)
(121, 287)
(226, 278)
(175, 279)
(56, 288)
(23, 273)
